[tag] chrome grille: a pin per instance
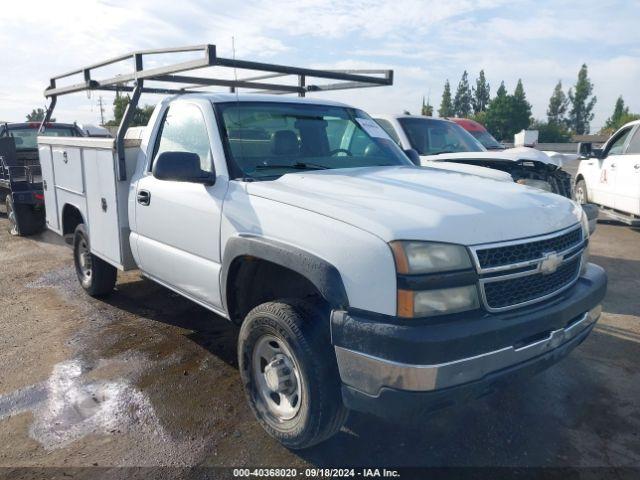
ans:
(522, 252)
(518, 273)
(504, 293)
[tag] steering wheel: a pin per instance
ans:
(338, 150)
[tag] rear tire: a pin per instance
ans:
(289, 372)
(95, 275)
(581, 193)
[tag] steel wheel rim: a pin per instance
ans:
(11, 215)
(84, 258)
(277, 379)
(580, 195)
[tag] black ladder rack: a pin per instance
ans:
(347, 79)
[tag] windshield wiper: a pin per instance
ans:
(494, 147)
(297, 166)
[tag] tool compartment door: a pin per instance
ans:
(102, 207)
(49, 187)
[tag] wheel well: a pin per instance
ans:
(252, 281)
(71, 218)
(578, 178)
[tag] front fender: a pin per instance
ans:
(324, 276)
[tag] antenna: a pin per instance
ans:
(235, 89)
(101, 105)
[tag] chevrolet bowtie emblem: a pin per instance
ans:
(550, 263)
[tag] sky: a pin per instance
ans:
(424, 42)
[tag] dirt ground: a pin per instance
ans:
(146, 378)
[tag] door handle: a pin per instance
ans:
(613, 165)
(637, 166)
(589, 163)
(144, 197)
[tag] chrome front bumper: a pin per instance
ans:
(369, 374)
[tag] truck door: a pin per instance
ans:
(178, 223)
(604, 189)
(48, 186)
(627, 194)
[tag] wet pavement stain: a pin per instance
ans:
(69, 406)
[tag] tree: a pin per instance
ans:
(481, 94)
(551, 132)
(521, 113)
(497, 117)
(140, 117)
(558, 104)
(427, 108)
(37, 115)
(582, 103)
(462, 101)
(619, 117)
(446, 106)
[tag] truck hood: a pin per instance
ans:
(468, 168)
(508, 155)
(408, 203)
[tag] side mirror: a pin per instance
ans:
(181, 167)
(413, 155)
(585, 149)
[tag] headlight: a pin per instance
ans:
(540, 184)
(585, 234)
(425, 257)
(584, 221)
(428, 303)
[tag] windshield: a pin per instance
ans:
(487, 140)
(270, 139)
(431, 137)
(26, 138)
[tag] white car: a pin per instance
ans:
(438, 140)
(610, 176)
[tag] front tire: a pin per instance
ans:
(289, 372)
(95, 275)
(581, 193)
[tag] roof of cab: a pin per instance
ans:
(256, 97)
(468, 124)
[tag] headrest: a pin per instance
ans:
(285, 142)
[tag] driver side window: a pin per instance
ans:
(617, 145)
(184, 130)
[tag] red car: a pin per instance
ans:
(477, 130)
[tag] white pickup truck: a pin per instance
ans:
(358, 280)
(610, 176)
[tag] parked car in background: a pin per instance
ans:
(610, 176)
(441, 140)
(21, 188)
(479, 132)
(94, 131)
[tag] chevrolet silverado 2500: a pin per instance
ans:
(358, 280)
